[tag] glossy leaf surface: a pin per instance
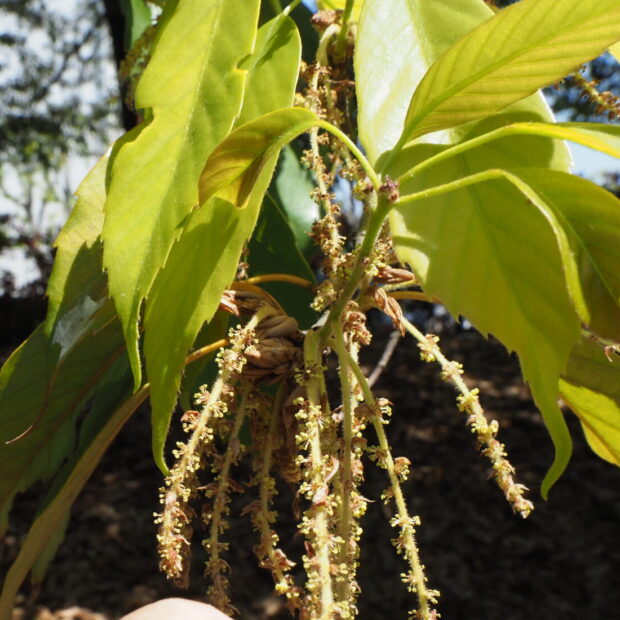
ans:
(591, 387)
(204, 261)
(522, 48)
(153, 177)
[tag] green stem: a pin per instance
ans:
(479, 177)
(346, 523)
(344, 26)
(425, 597)
(361, 158)
(312, 361)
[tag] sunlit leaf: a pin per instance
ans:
(590, 218)
(154, 176)
(397, 42)
(490, 253)
(204, 261)
(591, 387)
(77, 277)
(233, 167)
(526, 46)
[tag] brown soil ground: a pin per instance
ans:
(563, 563)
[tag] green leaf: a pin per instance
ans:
(614, 50)
(397, 42)
(273, 250)
(590, 218)
(424, 31)
(272, 69)
(77, 279)
(51, 520)
(293, 185)
(591, 387)
(46, 399)
(233, 167)
(154, 176)
(138, 19)
(489, 251)
(204, 261)
(522, 48)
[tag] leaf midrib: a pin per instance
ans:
(522, 51)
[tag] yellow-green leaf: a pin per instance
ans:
(203, 262)
(490, 252)
(528, 45)
(591, 388)
(397, 42)
(193, 90)
(589, 218)
(232, 169)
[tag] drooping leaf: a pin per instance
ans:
(51, 519)
(293, 185)
(233, 167)
(591, 387)
(154, 177)
(526, 46)
(490, 252)
(203, 262)
(273, 250)
(46, 399)
(77, 279)
(590, 217)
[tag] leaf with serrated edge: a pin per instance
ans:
(522, 48)
(234, 166)
(203, 262)
(591, 388)
(78, 274)
(154, 177)
(493, 257)
(34, 392)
